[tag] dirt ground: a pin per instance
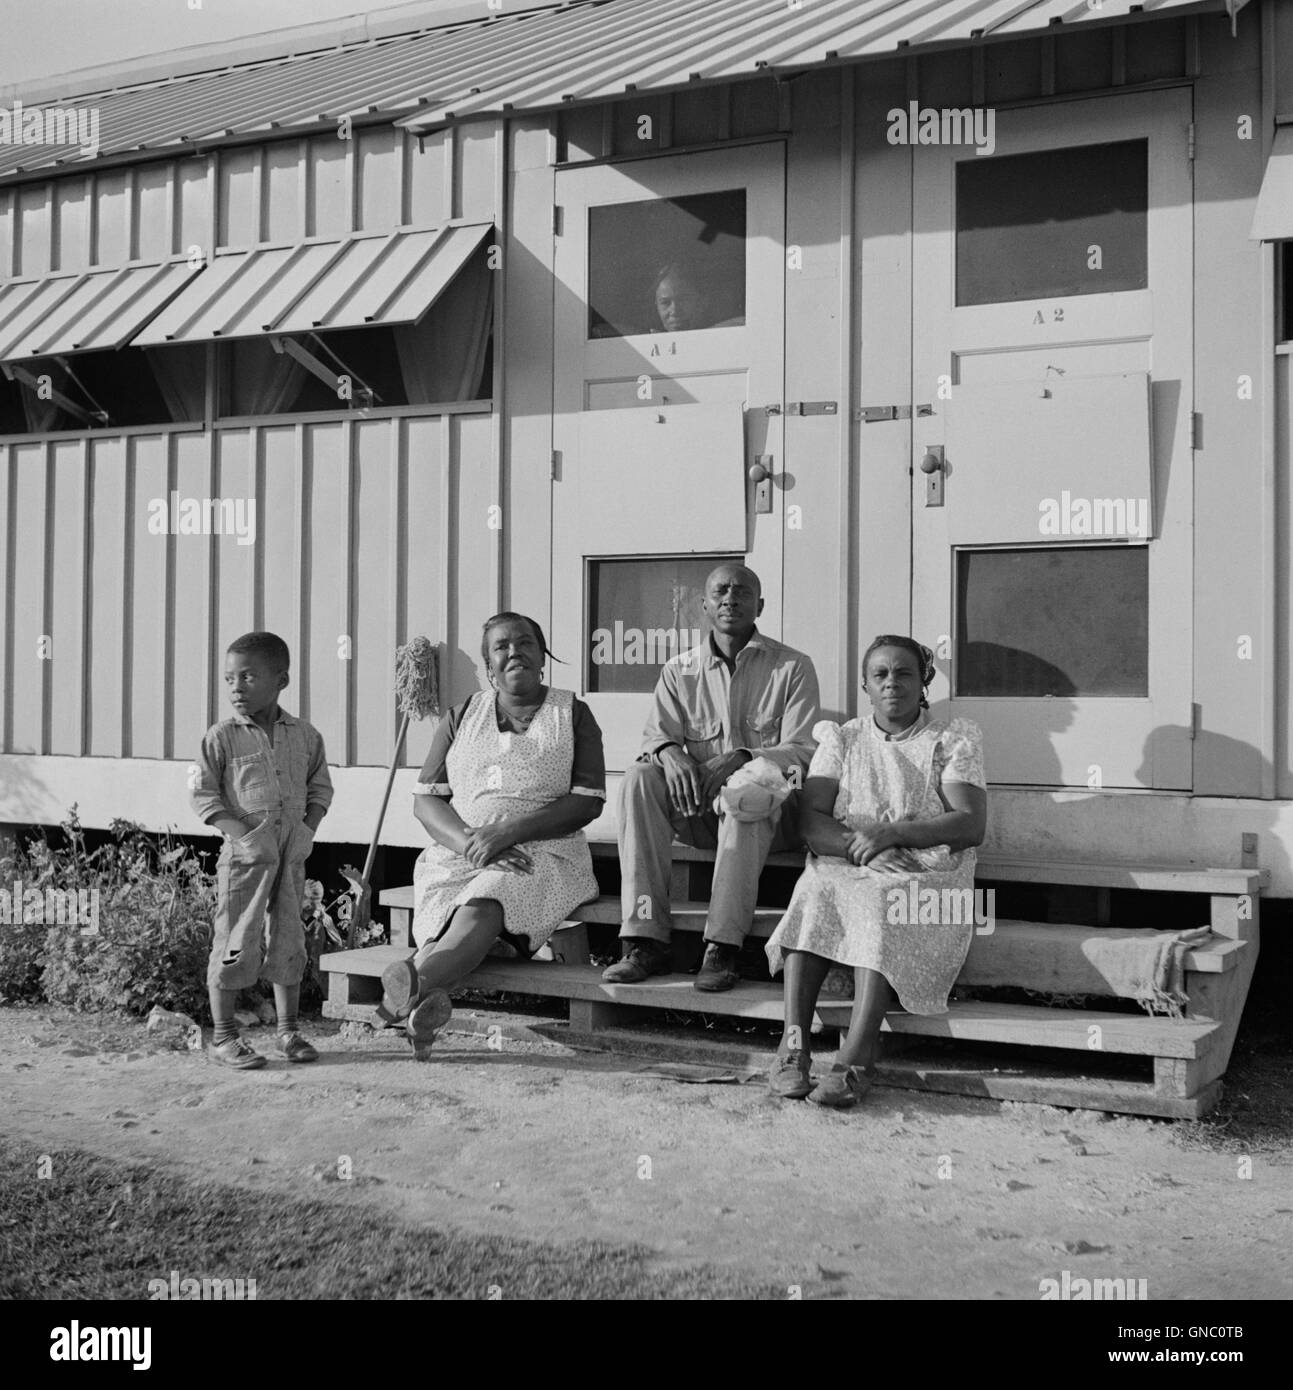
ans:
(912, 1196)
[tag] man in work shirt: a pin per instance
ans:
(738, 696)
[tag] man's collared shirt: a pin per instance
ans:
(242, 775)
(767, 706)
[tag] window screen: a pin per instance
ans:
(1063, 622)
(642, 612)
(1052, 224)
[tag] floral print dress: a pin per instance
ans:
(863, 915)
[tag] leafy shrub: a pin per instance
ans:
(156, 906)
(155, 921)
(22, 943)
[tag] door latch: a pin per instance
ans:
(932, 467)
(872, 414)
(761, 477)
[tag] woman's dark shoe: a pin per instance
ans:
(789, 1077)
(431, 1014)
(841, 1087)
(399, 991)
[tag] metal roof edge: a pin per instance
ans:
(435, 116)
(319, 36)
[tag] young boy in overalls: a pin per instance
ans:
(262, 781)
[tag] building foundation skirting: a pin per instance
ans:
(1024, 822)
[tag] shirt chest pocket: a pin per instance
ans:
(704, 738)
(250, 779)
(762, 732)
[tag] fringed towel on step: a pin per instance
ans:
(1151, 969)
(1147, 966)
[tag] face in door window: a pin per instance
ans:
(667, 265)
(680, 303)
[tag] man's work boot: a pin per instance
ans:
(642, 959)
(718, 970)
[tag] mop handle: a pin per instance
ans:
(386, 796)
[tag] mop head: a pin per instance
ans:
(417, 678)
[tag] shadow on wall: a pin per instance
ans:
(24, 799)
(1262, 818)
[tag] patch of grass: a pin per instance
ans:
(100, 1229)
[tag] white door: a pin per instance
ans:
(668, 317)
(1052, 532)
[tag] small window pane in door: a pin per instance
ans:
(1052, 223)
(667, 265)
(642, 612)
(1069, 621)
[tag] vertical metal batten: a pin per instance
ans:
(498, 386)
(128, 542)
(396, 560)
(448, 589)
(46, 743)
(87, 583)
(349, 528)
(1270, 99)
(170, 442)
(848, 216)
(300, 572)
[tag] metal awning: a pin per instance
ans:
(314, 286)
(1273, 219)
(85, 311)
(586, 50)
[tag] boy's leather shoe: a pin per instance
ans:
(236, 1053)
(295, 1048)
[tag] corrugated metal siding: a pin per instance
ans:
(320, 285)
(96, 309)
(586, 52)
(368, 532)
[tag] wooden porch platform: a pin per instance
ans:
(1082, 1057)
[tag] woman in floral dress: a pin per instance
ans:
(893, 800)
(512, 777)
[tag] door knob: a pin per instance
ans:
(932, 467)
(758, 473)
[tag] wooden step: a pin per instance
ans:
(1112, 874)
(1007, 869)
(1042, 1026)
(680, 853)
(982, 1022)
(1056, 959)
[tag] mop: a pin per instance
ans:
(417, 686)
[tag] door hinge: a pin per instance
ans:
(1196, 429)
(812, 408)
(1196, 719)
(557, 220)
(1189, 141)
(554, 467)
(871, 414)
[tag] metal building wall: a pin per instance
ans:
(367, 533)
(282, 191)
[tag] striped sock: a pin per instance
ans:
(222, 1007)
(287, 1001)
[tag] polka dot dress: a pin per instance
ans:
(496, 775)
